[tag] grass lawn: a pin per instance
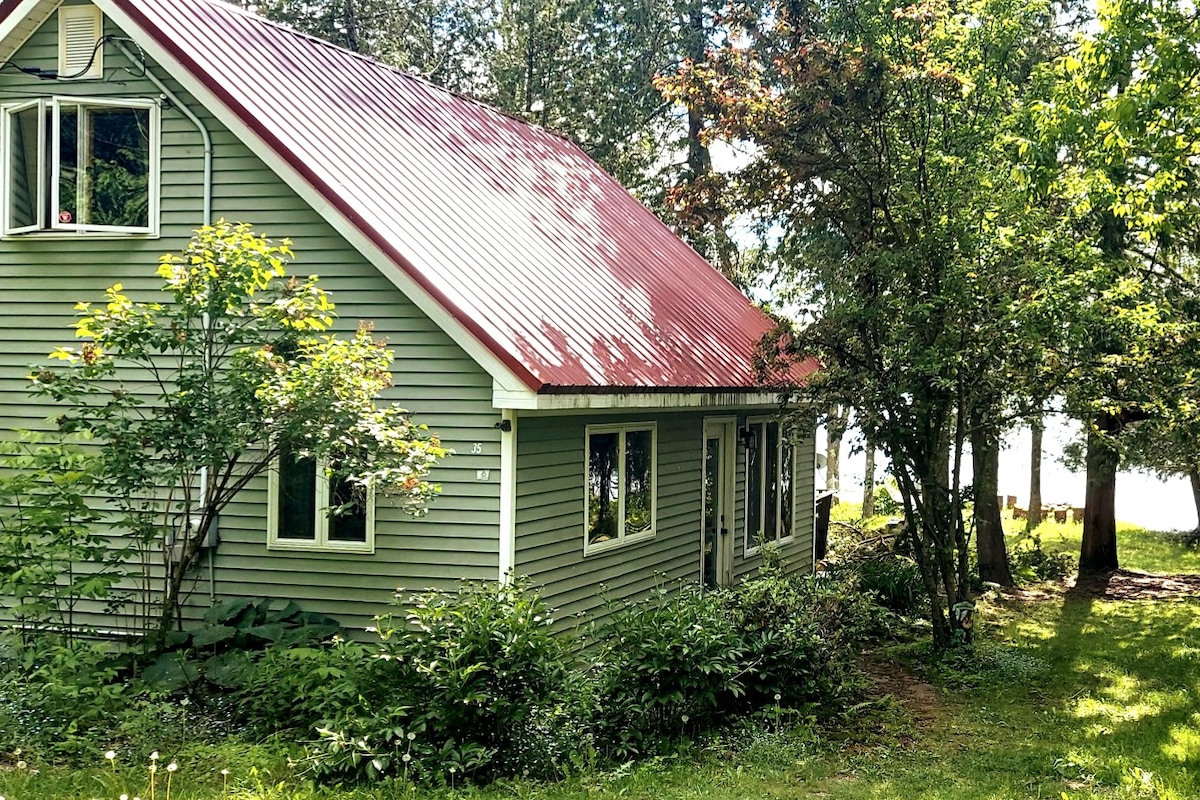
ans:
(1066, 695)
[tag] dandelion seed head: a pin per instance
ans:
(172, 767)
(406, 758)
(154, 756)
(110, 755)
(21, 765)
(123, 797)
(411, 736)
(778, 697)
(224, 772)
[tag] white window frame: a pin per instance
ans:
(622, 537)
(49, 147)
(320, 541)
(750, 545)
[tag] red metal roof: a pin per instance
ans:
(515, 232)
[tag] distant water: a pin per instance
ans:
(1141, 499)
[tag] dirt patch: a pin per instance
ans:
(921, 699)
(1126, 584)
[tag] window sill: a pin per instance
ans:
(62, 236)
(314, 547)
(753, 551)
(615, 544)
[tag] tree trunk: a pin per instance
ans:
(1194, 474)
(835, 431)
(1098, 551)
(350, 21)
(989, 533)
(1036, 428)
(868, 505)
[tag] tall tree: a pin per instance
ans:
(1119, 138)
(1037, 429)
(878, 162)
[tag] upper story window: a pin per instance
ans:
(621, 500)
(770, 501)
(77, 165)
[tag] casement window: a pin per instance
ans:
(620, 504)
(311, 511)
(769, 486)
(74, 165)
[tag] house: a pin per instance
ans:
(592, 372)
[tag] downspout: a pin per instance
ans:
(206, 137)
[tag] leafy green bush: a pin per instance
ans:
(891, 580)
(802, 636)
(665, 667)
(220, 655)
(1031, 562)
(57, 696)
(50, 559)
(453, 683)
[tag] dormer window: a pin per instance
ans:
(81, 166)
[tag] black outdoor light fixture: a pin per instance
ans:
(747, 436)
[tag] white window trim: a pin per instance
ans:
(320, 543)
(748, 548)
(48, 147)
(622, 538)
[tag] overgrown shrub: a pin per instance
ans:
(50, 558)
(1031, 562)
(57, 696)
(802, 635)
(665, 667)
(454, 682)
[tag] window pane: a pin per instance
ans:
(297, 510)
(347, 511)
(639, 482)
(603, 480)
(787, 503)
(24, 163)
(771, 477)
(754, 487)
(104, 166)
(68, 165)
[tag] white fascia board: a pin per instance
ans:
(499, 372)
(508, 498)
(23, 22)
(529, 401)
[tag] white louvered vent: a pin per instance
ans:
(79, 29)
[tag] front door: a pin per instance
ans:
(716, 536)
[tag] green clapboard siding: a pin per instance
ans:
(42, 279)
(550, 509)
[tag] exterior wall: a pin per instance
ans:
(41, 279)
(550, 513)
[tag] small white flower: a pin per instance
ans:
(411, 736)
(110, 755)
(154, 756)
(21, 765)
(172, 767)
(778, 697)
(123, 797)
(405, 758)
(453, 770)
(224, 772)
(684, 718)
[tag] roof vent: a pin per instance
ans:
(79, 32)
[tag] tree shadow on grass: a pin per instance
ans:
(1125, 682)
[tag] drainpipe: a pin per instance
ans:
(207, 220)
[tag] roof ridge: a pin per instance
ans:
(404, 73)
